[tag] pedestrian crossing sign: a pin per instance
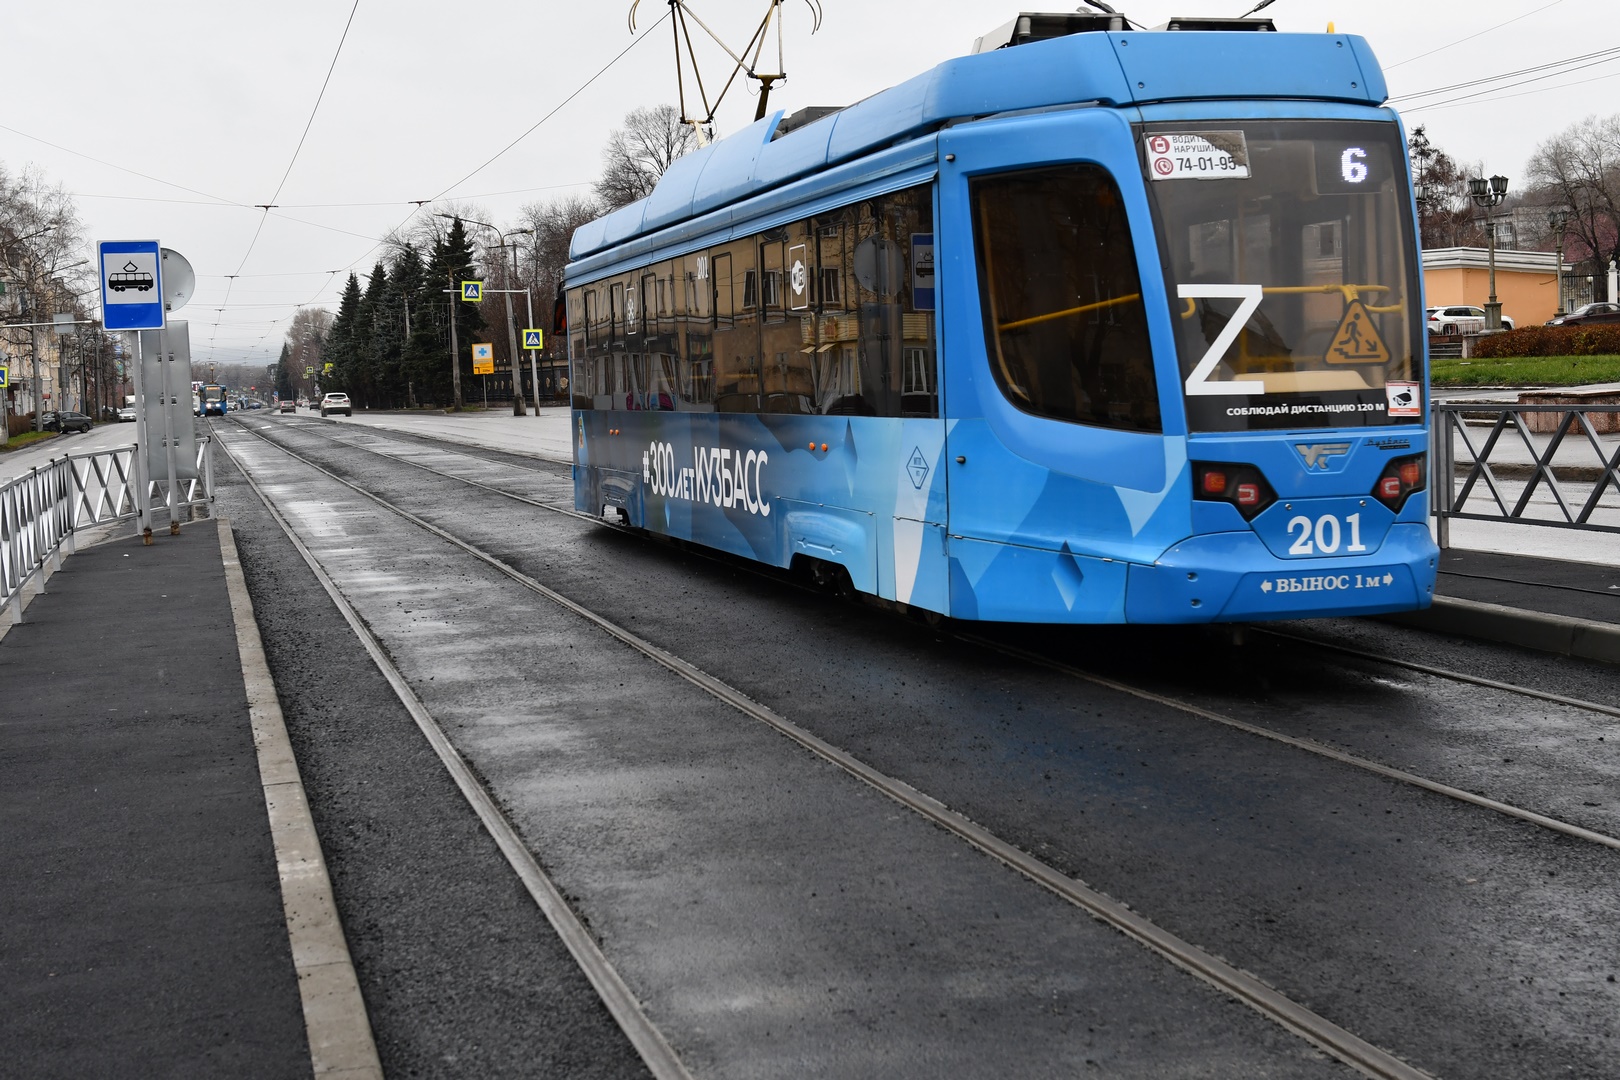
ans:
(534, 339)
(1357, 341)
(472, 291)
(5, 376)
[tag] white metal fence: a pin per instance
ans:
(41, 510)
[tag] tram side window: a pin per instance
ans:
(873, 337)
(788, 335)
(578, 359)
(736, 338)
(697, 315)
(1065, 325)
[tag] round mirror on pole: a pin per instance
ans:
(179, 281)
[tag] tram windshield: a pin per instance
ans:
(1291, 269)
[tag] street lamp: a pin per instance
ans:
(1487, 194)
(518, 408)
(1558, 218)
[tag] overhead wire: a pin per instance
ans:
(1611, 52)
(1471, 37)
(1472, 99)
(270, 205)
(267, 209)
(582, 88)
(531, 129)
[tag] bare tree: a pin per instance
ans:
(640, 152)
(41, 264)
(553, 224)
(1579, 168)
(306, 341)
(1447, 217)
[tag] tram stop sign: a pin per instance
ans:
(131, 284)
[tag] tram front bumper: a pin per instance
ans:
(1233, 577)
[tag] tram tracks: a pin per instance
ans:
(1029, 656)
(1338, 1042)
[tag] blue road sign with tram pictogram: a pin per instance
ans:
(131, 284)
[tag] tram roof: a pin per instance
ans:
(1115, 69)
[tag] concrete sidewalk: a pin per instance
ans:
(142, 928)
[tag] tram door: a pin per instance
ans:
(1056, 453)
(891, 266)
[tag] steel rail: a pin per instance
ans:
(1308, 745)
(616, 995)
(1327, 1036)
(1445, 673)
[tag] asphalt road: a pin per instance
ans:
(705, 852)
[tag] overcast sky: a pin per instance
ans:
(214, 96)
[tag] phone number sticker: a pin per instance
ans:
(1208, 155)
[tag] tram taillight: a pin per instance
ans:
(1401, 477)
(1241, 485)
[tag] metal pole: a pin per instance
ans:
(33, 360)
(1558, 262)
(166, 361)
(1493, 310)
(534, 365)
(143, 480)
(455, 352)
(511, 333)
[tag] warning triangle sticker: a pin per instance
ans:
(1356, 341)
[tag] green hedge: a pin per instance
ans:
(1601, 340)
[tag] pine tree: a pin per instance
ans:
(410, 301)
(451, 264)
(365, 338)
(284, 373)
(340, 342)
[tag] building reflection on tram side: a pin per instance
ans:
(829, 315)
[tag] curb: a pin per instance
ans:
(335, 1020)
(1531, 629)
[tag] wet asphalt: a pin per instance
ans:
(1470, 944)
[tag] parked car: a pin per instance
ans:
(126, 416)
(1596, 314)
(336, 403)
(1460, 319)
(67, 420)
(289, 405)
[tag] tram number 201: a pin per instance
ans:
(1325, 535)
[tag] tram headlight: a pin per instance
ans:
(1241, 485)
(1401, 477)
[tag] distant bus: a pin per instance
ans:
(215, 400)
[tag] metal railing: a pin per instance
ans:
(1519, 451)
(41, 510)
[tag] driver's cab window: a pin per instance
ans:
(1065, 325)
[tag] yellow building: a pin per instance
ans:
(1526, 281)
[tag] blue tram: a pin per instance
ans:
(1101, 326)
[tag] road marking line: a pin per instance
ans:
(335, 1020)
